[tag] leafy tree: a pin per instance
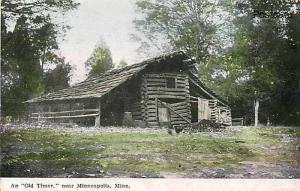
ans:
(100, 60)
(255, 64)
(58, 78)
(285, 104)
(40, 18)
(189, 25)
(29, 33)
(122, 64)
(259, 62)
(20, 70)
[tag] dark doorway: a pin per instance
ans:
(194, 112)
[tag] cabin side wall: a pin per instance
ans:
(154, 89)
(133, 106)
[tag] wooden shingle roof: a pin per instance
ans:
(98, 86)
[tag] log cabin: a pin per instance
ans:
(161, 91)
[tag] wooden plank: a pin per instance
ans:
(178, 118)
(162, 80)
(155, 89)
(182, 107)
(182, 87)
(166, 105)
(178, 103)
(167, 96)
(175, 118)
(156, 85)
(193, 97)
(98, 117)
(166, 90)
(156, 94)
(151, 119)
(164, 75)
(64, 112)
(156, 80)
(181, 82)
(67, 116)
(178, 107)
(163, 114)
(178, 122)
(150, 102)
(153, 123)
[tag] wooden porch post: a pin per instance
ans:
(98, 117)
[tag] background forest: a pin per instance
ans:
(248, 50)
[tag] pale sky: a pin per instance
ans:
(110, 20)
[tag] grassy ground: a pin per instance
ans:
(234, 153)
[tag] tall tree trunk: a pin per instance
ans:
(256, 107)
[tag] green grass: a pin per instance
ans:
(145, 152)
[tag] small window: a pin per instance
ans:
(171, 82)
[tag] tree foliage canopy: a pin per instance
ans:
(260, 60)
(58, 78)
(122, 64)
(197, 27)
(246, 49)
(100, 60)
(29, 33)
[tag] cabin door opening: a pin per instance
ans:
(112, 112)
(194, 112)
(203, 109)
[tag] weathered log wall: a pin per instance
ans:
(183, 108)
(154, 87)
(219, 113)
(134, 106)
(79, 111)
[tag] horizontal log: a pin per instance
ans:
(155, 80)
(181, 107)
(179, 122)
(186, 117)
(184, 110)
(176, 118)
(151, 106)
(181, 113)
(152, 119)
(65, 117)
(179, 104)
(182, 94)
(168, 96)
(64, 112)
(162, 80)
(151, 114)
(156, 85)
(193, 97)
(185, 87)
(164, 75)
(182, 82)
(149, 89)
(150, 103)
(153, 123)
